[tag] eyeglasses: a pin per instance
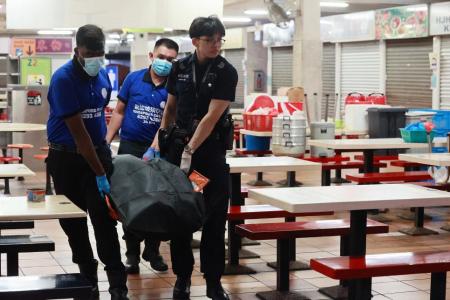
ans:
(212, 42)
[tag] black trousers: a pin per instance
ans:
(210, 161)
(73, 178)
(151, 248)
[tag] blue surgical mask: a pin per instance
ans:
(161, 67)
(92, 65)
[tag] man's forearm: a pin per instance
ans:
(113, 126)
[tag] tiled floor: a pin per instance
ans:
(154, 285)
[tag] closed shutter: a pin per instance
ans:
(445, 73)
(282, 58)
(328, 78)
(236, 58)
(408, 72)
(360, 69)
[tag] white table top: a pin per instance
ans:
(350, 197)
(15, 170)
(432, 159)
(366, 144)
(17, 127)
(54, 207)
(270, 163)
(256, 133)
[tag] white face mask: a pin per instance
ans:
(92, 65)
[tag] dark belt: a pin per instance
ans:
(70, 149)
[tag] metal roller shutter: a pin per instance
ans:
(328, 78)
(360, 69)
(236, 58)
(445, 73)
(282, 58)
(408, 72)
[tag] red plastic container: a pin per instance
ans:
(259, 122)
(290, 107)
(355, 98)
(376, 98)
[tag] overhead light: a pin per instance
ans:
(114, 36)
(167, 29)
(112, 42)
(66, 28)
(130, 36)
(256, 12)
(55, 32)
(236, 19)
(334, 4)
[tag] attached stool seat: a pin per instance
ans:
(20, 147)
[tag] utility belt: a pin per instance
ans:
(71, 149)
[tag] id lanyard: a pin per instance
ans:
(194, 79)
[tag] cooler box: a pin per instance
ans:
(322, 131)
(257, 143)
(386, 123)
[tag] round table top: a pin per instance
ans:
(18, 127)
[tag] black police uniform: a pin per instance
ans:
(194, 86)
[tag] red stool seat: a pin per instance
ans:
(40, 156)
(44, 148)
(20, 146)
(8, 159)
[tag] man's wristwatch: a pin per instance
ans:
(188, 150)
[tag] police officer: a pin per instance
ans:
(201, 87)
(138, 114)
(79, 159)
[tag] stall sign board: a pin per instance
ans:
(35, 70)
(358, 26)
(21, 47)
(402, 22)
(440, 18)
(53, 46)
(113, 75)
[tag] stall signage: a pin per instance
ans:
(402, 22)
(440, 18)
(54, 45)
(348, 27)
(35, 70)
(23, 47)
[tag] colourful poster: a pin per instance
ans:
(23, 47)
(54, 45)
(35, 70)
(402, 22)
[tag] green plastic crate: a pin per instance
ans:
(416, 136)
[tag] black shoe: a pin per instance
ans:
(157, 263)
(182, 288)
(118, 294)
(132, 269)
(216, 292)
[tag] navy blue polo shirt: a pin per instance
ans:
(144, 107)
(73, 91)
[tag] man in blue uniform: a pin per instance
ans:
(138, 114)
(79, 159)
(201, 87)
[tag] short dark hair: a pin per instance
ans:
(168, 43)
(208, 26)
(91, 37)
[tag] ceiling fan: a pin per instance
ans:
(277, 14)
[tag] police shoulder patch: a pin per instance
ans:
(221, 65)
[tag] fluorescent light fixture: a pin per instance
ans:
(334, 4)
(114, 36)
(130, 36)
(55, 32)
(168, 29)
(112, 42)
(236, 19)
(417, 8)
(256, 12)
(66, 28)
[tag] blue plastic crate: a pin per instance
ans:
(441, 120)
(439, 150)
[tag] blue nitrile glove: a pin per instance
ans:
(103, 185)
(149, 154)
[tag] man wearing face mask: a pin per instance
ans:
(138, 114)
(79, 159)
